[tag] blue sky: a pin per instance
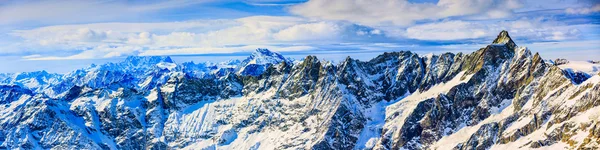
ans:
(60, 36)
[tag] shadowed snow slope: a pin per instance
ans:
(498, 97)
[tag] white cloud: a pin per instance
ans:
(140, 39)
(326, 22)
(189, 37)
(281, 33)
(447, 30)
(205, 50)
(310, 31)
(108, 52)
(32, 56)
(583, 10)
(72, 11)
(102, 51)
(532, 29)
(402, 12)
(572, 50)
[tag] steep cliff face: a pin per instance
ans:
(498, 97)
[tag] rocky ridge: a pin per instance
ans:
(500, 96)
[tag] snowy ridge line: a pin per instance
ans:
(501, 96)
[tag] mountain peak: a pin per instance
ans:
(503, 38)
(265, 56)
(263, 51)
(266, 52)
(260, 59)
(147, 60)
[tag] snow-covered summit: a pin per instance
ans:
(139, 64)
(577, 71)
(31, 80)
(498, 97)
(146, 60)
(559, 61)
(260, 60)
(36, 74)
(583, 66)
(264, 56)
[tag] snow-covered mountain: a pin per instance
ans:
(499, 97)
(259, 61)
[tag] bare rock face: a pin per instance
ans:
(560, 61)
(499, 97)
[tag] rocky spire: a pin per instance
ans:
(504, 39)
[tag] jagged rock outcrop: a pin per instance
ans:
(499, 97)
(560, 61)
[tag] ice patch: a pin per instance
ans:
(375, 121)
(583, 66)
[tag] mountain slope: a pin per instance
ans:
(498, 97)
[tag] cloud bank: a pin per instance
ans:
(51, 30)
(402, 12)
(195, 37)
(537, 29)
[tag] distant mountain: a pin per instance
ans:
(499, 97)
(577, 71)
(559, 61)
(259, 61)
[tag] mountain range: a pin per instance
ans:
(501, 96)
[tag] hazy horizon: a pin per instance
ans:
(67, 37)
